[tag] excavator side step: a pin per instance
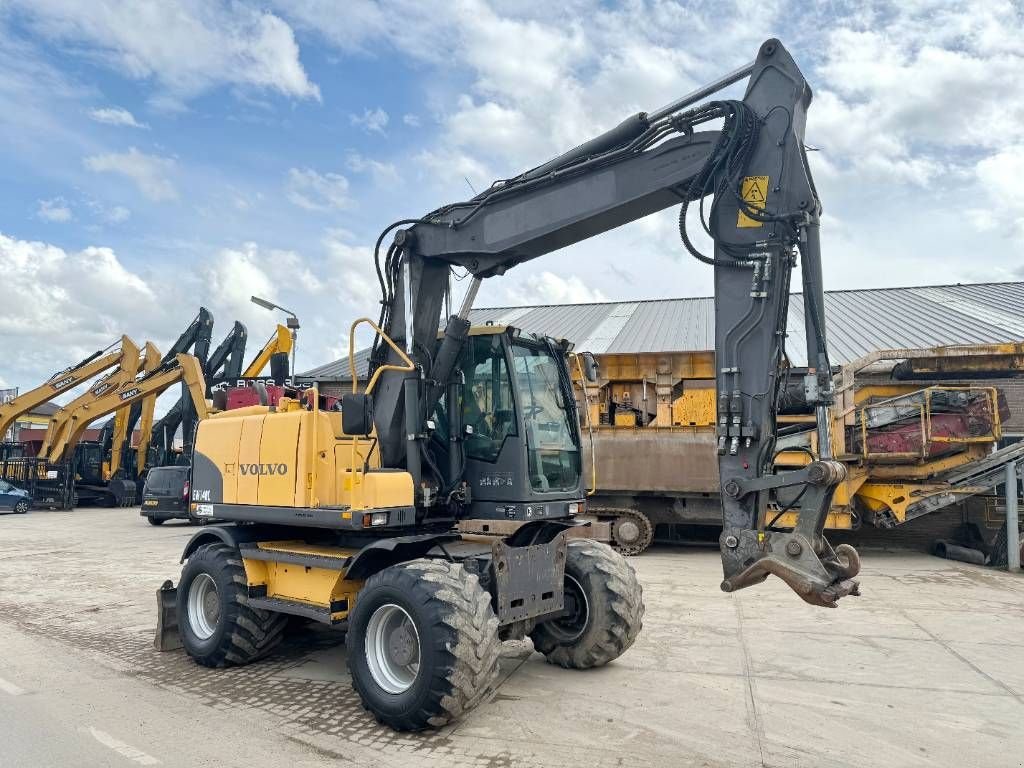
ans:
(295, 608)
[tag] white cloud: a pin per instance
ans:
(327, 292)
(186, 46)
(998, 175)
(116, 116)
(148, 172)
(383, 174)
(315, 191)
(63, 305)
(413, 121)
(117, 214)
(549, 288)
(56, 210)
(371, 121)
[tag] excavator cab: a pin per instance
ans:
(516, 436)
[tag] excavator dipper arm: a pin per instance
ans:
(764, 215)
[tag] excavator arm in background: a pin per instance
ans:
(121, 439)
(225, 361)
(279, 343)
(60, 382)
(128, 366)
(196, 337)
(184, 368)
(765, 213)
(229, 356)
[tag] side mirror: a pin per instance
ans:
(357, 414)
(589, 366)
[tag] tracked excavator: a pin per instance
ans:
(93, 478)
(77, 474)
(349, 518)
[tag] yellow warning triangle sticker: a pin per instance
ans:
(754, 191)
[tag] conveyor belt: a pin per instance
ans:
(985, 472)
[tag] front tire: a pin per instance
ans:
(217, 626)
(422, 644)
(604, 609)
(21, 507)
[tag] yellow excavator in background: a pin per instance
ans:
(184, 368)
(278, 344)
(132, 360)
(121, 436)
(72, 471)
(61, 382)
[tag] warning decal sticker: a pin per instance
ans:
(754, 191)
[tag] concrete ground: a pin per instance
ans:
(926, 669)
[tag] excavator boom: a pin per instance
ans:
(128, 366)
(60, 382)
(184, 368)
(280, 342)
(765, 213)
(122, 436)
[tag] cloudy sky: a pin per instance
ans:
(155, 156)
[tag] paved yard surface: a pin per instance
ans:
(926, 669)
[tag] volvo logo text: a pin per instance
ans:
(263, 469)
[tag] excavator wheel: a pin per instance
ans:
(217, 626)
(423, 644)
(632, 532)
(604, 609)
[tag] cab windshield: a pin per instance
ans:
(551, 442)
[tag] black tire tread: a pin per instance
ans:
(620, 595)
(253, 632)
(469, 630)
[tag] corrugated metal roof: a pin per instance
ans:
(857, 322)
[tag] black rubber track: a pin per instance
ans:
(615, 612)
(243, 634)
(459, 645)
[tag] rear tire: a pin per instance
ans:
(155, 520)
(604, 609)
(217, 626)
(422, 644)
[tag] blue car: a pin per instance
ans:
(13, 498)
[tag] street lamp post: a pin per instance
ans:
(292, 322)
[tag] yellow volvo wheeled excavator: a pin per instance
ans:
(350, 518)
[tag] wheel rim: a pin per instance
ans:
(576, 614)
(392, 648)
(203, 606)
(21, 506)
